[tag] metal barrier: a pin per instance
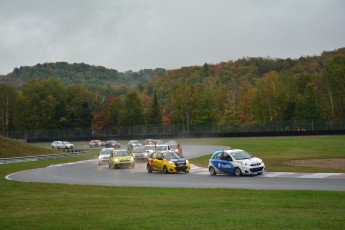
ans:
(44, 157)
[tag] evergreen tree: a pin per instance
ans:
(154, 112)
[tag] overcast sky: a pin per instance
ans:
(147, 34)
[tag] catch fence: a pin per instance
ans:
(271, 128)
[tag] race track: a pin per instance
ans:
(89, 173)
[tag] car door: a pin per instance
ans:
(159, 161)
(223, 162)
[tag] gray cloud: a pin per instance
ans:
(138, 34)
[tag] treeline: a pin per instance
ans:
(243, 91)
(78, 73)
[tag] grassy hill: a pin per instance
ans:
(14, 148)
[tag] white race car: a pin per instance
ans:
(235, 161)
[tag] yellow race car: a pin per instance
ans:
(120, 158)
(167, 162)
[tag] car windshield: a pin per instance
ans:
(241, 155)
(171, 155)
(106, 152)
(121, 153)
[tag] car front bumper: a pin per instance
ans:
(253, 170)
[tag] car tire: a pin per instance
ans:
(238, 171)
(165, 170)
(148, 168)
(212, 171)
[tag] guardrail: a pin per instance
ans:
(68, 154)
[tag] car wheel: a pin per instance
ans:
(212, 171)
(148, 168)
(165, 170)
(238, 171)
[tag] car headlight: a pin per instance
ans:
(132, 159)
(116, 159)
(187, 161)
(170, 162)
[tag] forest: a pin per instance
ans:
(250, 89)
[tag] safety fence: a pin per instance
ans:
(272, 128)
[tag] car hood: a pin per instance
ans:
(252, 161)
(103, 156)
(124, 157)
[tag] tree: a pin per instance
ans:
(116, 112)
(7, 106)
(81, 103)
(205, 111)
(45, 101)
(154, 115)
(133, 109)
(335, 82)
(270, 99)
(183, 105)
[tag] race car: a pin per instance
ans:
(140, 152)
(104, 154)
(167, 162)
(235, 161)
(120, 158)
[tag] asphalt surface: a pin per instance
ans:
(90, 173)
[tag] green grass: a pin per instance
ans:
(57, 206)
(13, 148)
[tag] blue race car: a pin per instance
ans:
(235, 161)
